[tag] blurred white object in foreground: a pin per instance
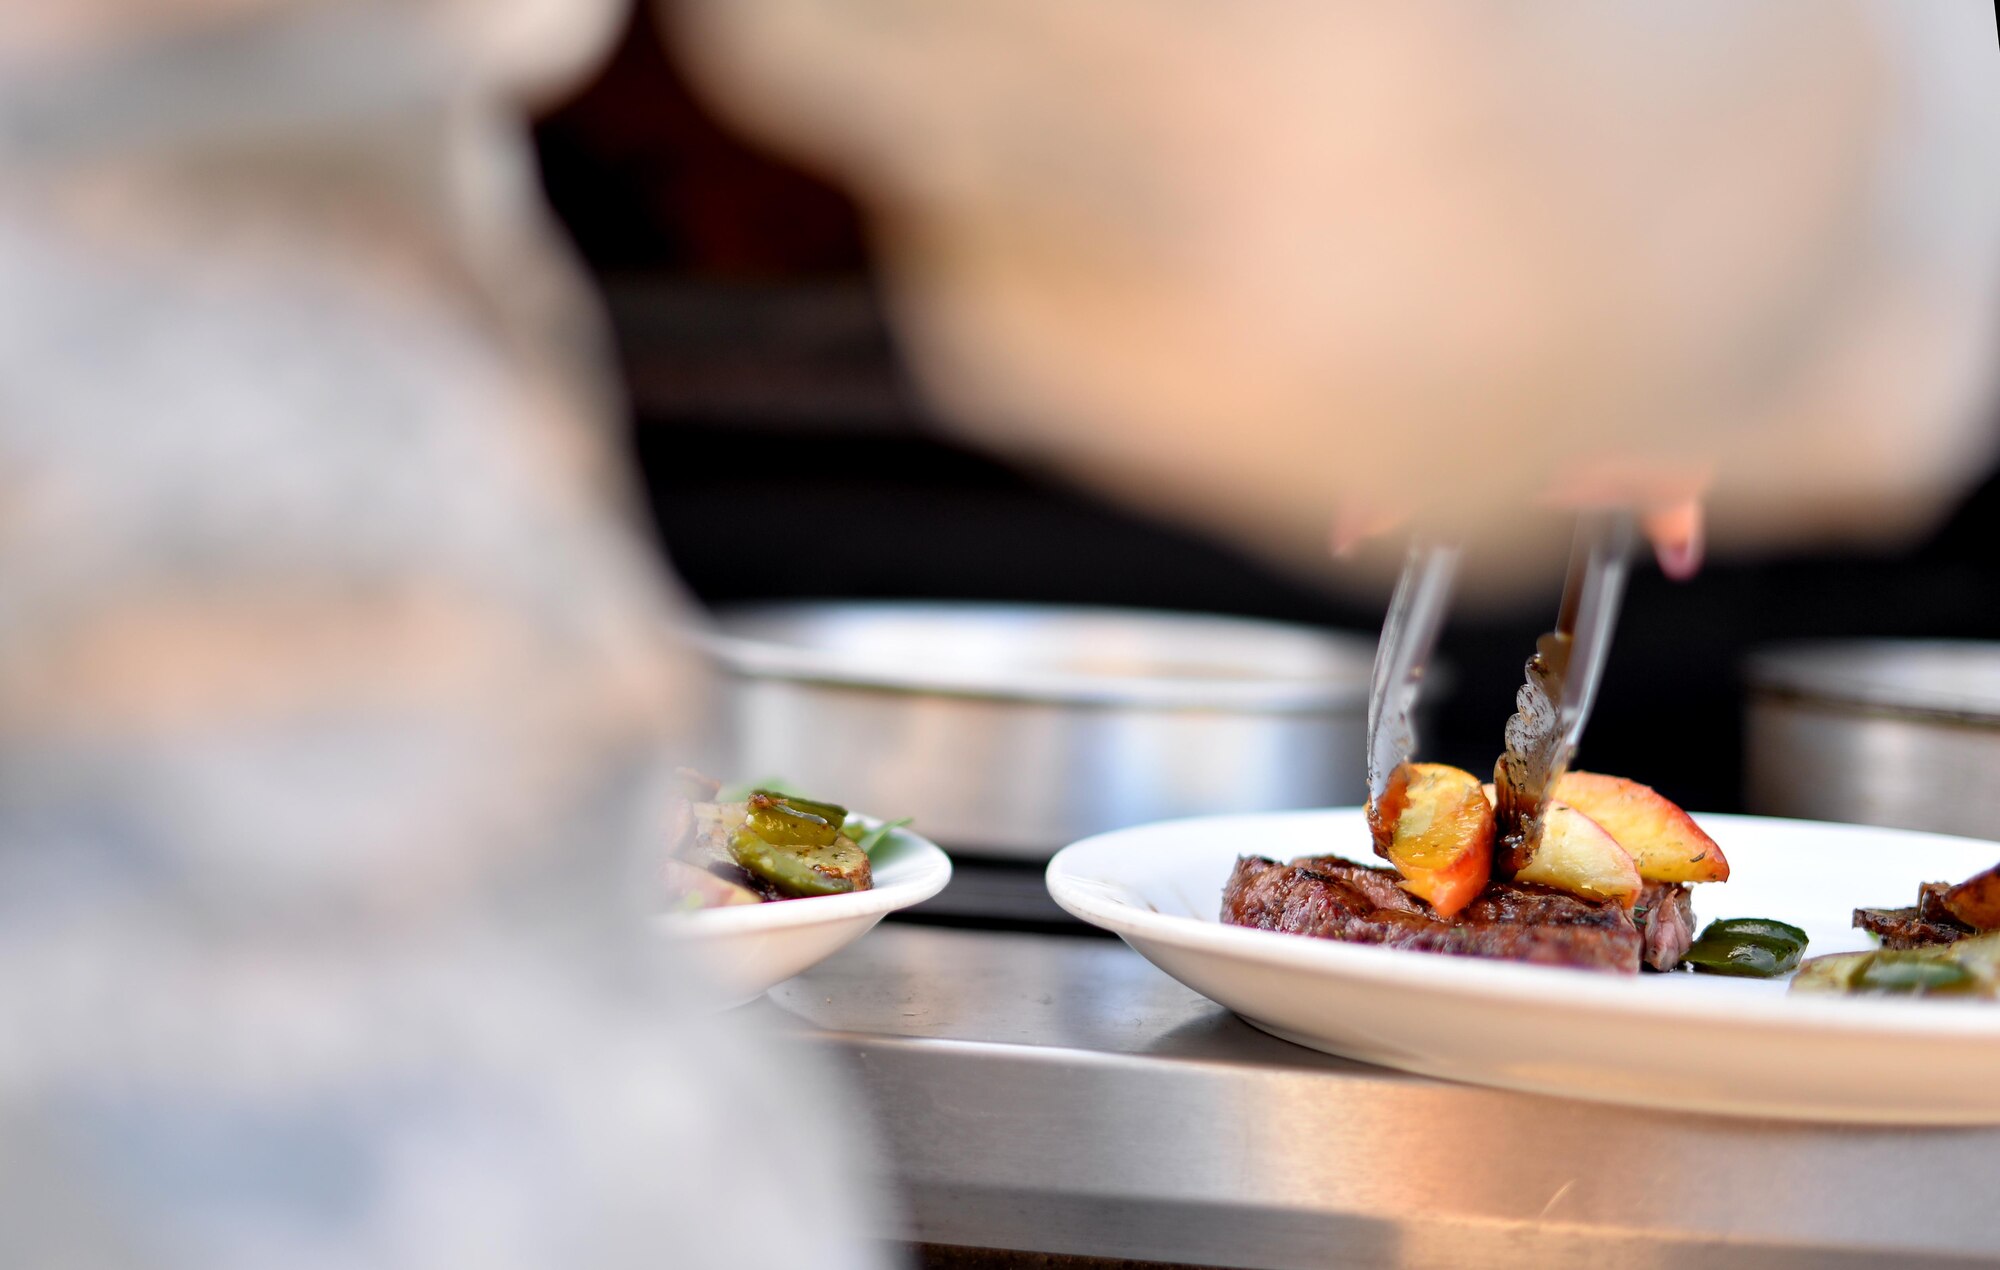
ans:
(333, 686)
(1258, 261)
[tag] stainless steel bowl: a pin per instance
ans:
(1899, 733)
(1012, 730)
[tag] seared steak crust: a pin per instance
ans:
(1332, 898)
(1923, 925)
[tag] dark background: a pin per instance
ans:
(753, 345)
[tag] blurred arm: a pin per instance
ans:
(1252, 263)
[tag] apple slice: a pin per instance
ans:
(1435, 826)
(1662, 839)
(1577, 855)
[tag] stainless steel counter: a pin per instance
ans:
(1058, 1094)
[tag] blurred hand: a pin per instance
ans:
(1254, 264)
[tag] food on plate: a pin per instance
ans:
(1748, 948)
(1575, 854)
(1965, 969)
(798, 847)
(767, 845)
(1583, 899)
(1332, 898)
(1924, 924)
(1947, 944)
(1663, 841)
(1435, 825)
(1943, 914)
(1665, 917)
(690, 886)
(1976, 901)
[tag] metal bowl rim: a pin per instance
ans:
(1832, 672)
(765, 659)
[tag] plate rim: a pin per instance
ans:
(1518, 983)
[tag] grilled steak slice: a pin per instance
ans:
(1925, 924)
(1331, 898)
(1931, 905)
(1665, 916)
(1943, 913)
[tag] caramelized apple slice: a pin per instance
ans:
(1575, 854)
(1661, 838)
(1435, 826)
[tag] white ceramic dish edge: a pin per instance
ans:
(1241, 968)
(748, 949)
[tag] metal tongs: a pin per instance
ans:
(1562, 679)
(1409, 634)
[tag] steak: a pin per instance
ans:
(1665, 917)
(1331, 898)
(1925, 924)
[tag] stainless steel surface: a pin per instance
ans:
(1563, 676)
(1061, 1095)
(1900, 733)
(1015, 729)
(1409, 636)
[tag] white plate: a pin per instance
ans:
(1683, 1041)
(749, 948)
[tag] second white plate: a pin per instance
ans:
(1683, 1041)
(746, 949)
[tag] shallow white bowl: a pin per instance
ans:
(748, 948)
(1683, 1041)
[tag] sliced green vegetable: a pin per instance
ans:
(1968, 968)
(783, 822)
(834, 813)
(1980, 954)
(1919, 976)
(1766, 927)
(832, 869)
(869, 839)
(1744, 958)
(1748, 948)
(1831, 973)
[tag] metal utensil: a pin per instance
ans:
(1562, 679)
(1409, 634)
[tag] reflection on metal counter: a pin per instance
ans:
(1061, 1096)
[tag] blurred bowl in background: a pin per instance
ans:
(1903, 733)
(1012, 730)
